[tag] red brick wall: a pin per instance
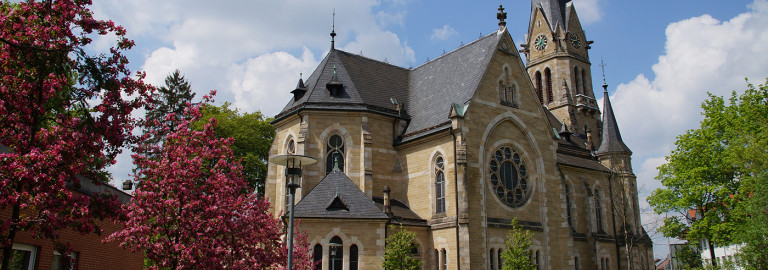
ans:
(92, 254)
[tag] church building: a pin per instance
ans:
(456, 148)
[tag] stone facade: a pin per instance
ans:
(450, 178)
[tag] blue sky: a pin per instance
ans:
(662, 56)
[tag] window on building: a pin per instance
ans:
(436, 259)
(568, 203)
(336, 253)
(23, 257)
(538, 260)
(539, 90)
(353, 257)
(584, 84)
(63, 262)
(291, 147)
(491, 257)
(577, 80)
(499, 261)
(439, 185)
(598, 212)
(317, 257)
(503, 94)
(335, 154)
(548, 79)
(577, 265)
(444, 258)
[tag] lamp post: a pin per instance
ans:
(292, 165)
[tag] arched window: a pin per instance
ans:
(439, 185)
(598, 212)
(334, 154)
(503, 94)
(577, 83)
(548, 79)
(539, 90)
(291, 149)
(584, 85)
(336, 253)
(444, 256)
(353, 257)
(568, 203)
(317, 257)
(437, 259)
(577, 265)
(538, 260)
(499, 261)
(491, 257)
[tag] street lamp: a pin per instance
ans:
(292, 165)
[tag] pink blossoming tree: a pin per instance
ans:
(193, 209)
(64, 114)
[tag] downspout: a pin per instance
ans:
(456, 199)
(613, 220)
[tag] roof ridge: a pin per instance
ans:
(454, 50)
(371, 59)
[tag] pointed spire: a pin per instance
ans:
(333, 31)
(554, 11)
(564, 132)
(611, 141)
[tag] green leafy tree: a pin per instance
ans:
(168, 104)
(517, 255)
(754, 232)
(253, 137)
(713, 171)
(689, 257)
(398, 253)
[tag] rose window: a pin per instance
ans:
(509, 177)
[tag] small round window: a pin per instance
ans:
(509, 177)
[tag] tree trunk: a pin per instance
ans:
(712, 254)
(8, 246)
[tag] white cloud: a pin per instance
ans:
(701, 55)
(588, 10)
(443, 33)
(264, 82)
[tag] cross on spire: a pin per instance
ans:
(602, 65)
(501, 16)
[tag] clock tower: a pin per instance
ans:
(557, 55)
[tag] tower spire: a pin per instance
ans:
(611, 141)
(333, 31)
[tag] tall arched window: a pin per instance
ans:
(439, 185)
(291, 149)
(336, 253)
(437, 259)
(503, 95)
(539, 90)
(598, 212)
(444, 258)
(568, 203)
(548, 79)
(499, 261)
(577, 83)
(538, 260)
(491, 258)
(584, 84)
(577, 265)
(353, 257)
(334, 154)
(317, 257)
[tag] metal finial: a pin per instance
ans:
(300, 75)
(602, 65)
(501, 16)
(333, 31)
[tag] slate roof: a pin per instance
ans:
(426, 92)
(611, 141)
(401, 213)
(337, 186)
(571, 150)
(555, 11)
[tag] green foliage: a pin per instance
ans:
(714, 170)
(398, 251)
(689, 256)
(253, 137)
(517, 255)
(754, 232)
(172, 98)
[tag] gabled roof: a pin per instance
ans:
(611, 141)
(336, 196)
(450, 78)
(555, 12)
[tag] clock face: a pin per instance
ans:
(540, 42)
(575, 41)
